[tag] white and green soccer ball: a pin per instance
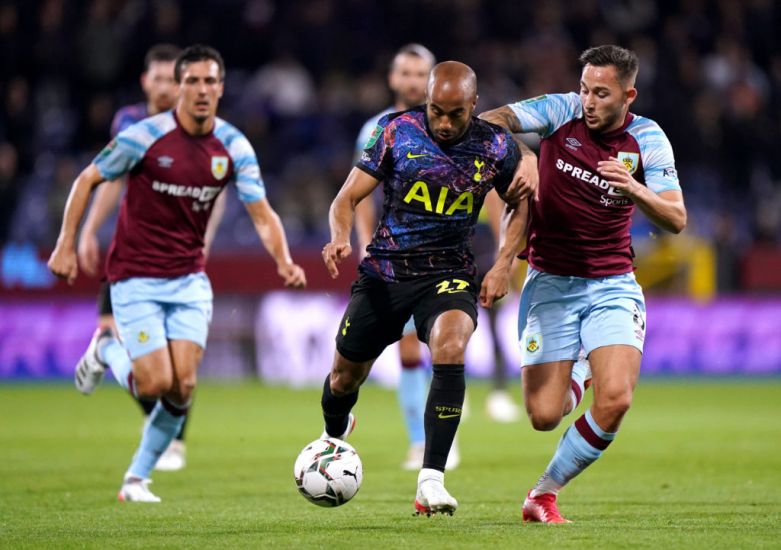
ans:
(328, 472)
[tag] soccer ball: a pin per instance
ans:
(328, 472)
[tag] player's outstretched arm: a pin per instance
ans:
(272, 234)
(665, 209)
(218, 211)
(526, 178)
(359, 185)
(105, 202)
(496, 283)
(63, 262)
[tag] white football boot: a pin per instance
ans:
(174, 458)
(135, 489)
(432, 497)
(347, 432)
(91, 368)
(501, 408)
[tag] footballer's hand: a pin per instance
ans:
(618, 176)
(496, 285)
(525, 180)
(334, 253)
(89, 253)
(63, 264)
(293, 275)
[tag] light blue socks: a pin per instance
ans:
(413, 391)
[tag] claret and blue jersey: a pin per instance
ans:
(580, 224)
(433, 193)
(173, 180)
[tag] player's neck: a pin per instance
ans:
(193, 126)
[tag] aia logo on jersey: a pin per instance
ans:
(572, 143)
(219, 167)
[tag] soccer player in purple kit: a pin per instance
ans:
(407, 78)
(436, 163)
(597, 162)
(159, 86)
(177, 163)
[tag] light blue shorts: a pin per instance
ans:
(150, 311)
(558, 315)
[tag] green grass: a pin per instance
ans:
(696, 465)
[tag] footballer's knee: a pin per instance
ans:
(449, 349)
(544, 421)
(154, 386)
(613, 405)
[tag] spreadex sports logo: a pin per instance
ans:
(614, 198)
(203, 194)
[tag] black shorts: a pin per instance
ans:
(104, 299)
(378, 311)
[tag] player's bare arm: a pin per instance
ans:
(106, 200)
(665, 209)
(272, 234)
(512, 239)
(63, 262)
(218, 211)
(358, 186)
(526, 177)
(365, 223)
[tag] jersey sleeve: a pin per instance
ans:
(131, 144)
(376, 157)
(120, 155)
(656, 154)
(364, 135)
(545, 114)
(246, 170)
(504, 175)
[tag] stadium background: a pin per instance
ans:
(302, 77)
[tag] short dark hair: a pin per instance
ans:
(198, 52)
(625, 61)
(415, 50)
(161, 52)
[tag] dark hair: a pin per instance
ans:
(415, 50)
(625, 61)
(161, 52)
(198, 52)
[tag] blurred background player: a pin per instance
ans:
(419, 262)
(177, 163)
(407, 80)
(159, 86)
(581, 291)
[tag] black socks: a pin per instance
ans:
(443, 413)
(336, 410)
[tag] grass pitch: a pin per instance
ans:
(696, 465)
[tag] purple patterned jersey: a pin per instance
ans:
(433, 194)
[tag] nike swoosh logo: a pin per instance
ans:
(411, 156)
(445, 416)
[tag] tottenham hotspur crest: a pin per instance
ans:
(219, 167)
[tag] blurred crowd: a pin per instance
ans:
(303, 75)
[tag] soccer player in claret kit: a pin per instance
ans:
(177, 163)
(597, 162)
(436, 163)
(159, 86)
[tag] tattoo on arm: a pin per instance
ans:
(504, 117)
